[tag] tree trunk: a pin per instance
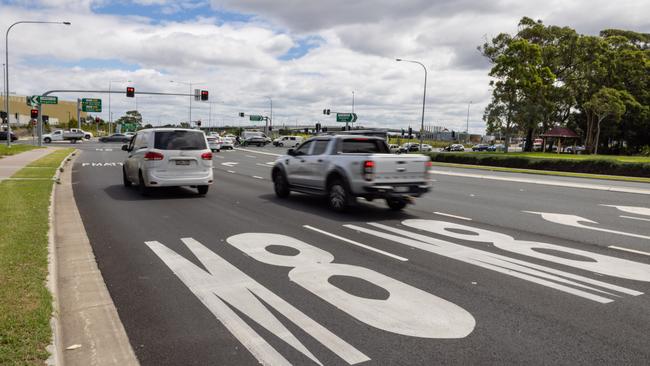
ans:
(597, 135)
(529, 140)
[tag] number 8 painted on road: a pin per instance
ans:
(407, 310)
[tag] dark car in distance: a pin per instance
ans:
(116, 137)
(480, 147)
(3, 136)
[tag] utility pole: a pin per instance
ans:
(467, 129)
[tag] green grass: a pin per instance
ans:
(25, 302)
(14, 149)
(545, 172)
(541, 155)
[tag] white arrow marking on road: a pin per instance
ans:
(575, 221)
(229, 164)
(632, 209)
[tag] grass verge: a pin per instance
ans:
(15, 149)
(545, 172)
(541, 155)
(25, 301)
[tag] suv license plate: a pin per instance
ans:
(402, 189)
(182, 162)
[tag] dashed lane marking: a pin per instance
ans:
(453, 216)
(257, 177)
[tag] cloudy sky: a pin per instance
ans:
(306, 55)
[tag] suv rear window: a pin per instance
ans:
(363, 146)
(179, 140)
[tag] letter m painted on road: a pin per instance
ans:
(225, 285)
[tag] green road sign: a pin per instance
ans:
(255, 118)
(129, 127)
(35, 100)
(346, 117)
(91, 105)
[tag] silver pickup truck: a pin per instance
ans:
(343, 168)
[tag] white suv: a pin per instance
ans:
(163, 157)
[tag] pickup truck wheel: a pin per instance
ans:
(396, 204)
(125, 179)
(47, 140)
(280, 185)
(338, 196)
(202, 189)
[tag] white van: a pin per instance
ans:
(163, 157)
(288, 141)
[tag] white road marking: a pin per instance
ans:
(407, 310)
(251, 156)
(548, 182)
(559, 280)
(224, 286)
(93, 164)
(632, 209)
(258, 152)
(454, 216)
(629, 250)
(229, 164)
(264, 165)
(634, 218)
(231, 171)
(257, 177)
(271, 163)
(574, 221)
(357, 244)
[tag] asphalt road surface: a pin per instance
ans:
(479, 271)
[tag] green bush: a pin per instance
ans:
(589, 166)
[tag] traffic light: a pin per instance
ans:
(46, 119)
(324, 129)
(410, 133)
(306, 130)
(34, 113)
(241, 114)
(198, 123)
(204, 95)
(326, 111)
(402, 133)
(317, 127)
(453, 134)
(270, 128)
(130, 91)
(96, 119)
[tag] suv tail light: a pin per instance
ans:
(206, 156)
(152, 155)
(427, 167)
(368, 170)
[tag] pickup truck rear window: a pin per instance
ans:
(363, 146)
(179, 140)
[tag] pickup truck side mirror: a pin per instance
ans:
(125, 147)
(291, 152)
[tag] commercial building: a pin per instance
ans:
(20, 112)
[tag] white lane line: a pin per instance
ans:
(251, 156)
(555, 183)
(257, 177)
(357, 244)
(629, 250)
(454, 216)
(264, 165)
(229, 164)
(231, 171)
(634, 218)
(217, 156)
(257, 152)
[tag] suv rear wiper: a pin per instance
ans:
(190, 148)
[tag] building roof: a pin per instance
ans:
(560, 132)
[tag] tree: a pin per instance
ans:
(148, 125)
(607, 102)
(131, 117)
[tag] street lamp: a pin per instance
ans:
(190, 83)
(467, 129)
(110, 115)
(424, 98)
(7, 68)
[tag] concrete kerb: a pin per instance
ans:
(87, 329)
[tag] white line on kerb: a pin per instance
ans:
(357, 244)
(257, 177)
(629, 250)
(454, 216)
(634, 218)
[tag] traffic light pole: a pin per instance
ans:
(109, 92)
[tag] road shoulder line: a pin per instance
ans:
(555, 183)
(87, 315)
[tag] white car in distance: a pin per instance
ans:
(164, 157)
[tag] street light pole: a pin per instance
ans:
(7, 68)
(467, 129)
(424, 97)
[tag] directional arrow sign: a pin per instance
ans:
(346, 117)
(255, 118)
(91, 105)
(35, 100)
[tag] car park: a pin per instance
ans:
(480, 147)
(116, 137)
(3, 136)
(288, 141)
(345, 167)
(163, 157)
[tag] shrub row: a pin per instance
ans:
(590, 166)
